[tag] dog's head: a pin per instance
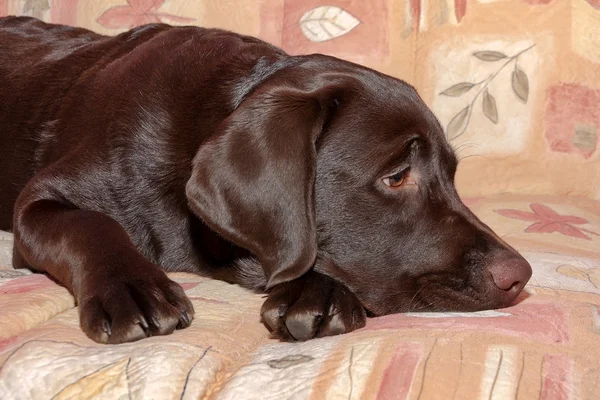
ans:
(336, 167)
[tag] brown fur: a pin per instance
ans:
(199, 150)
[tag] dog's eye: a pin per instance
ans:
(396, 180)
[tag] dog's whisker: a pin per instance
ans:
(473, 155)
(465, 146)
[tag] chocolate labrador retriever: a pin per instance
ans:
(323, 183)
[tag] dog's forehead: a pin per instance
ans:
(397, 115)
(396, 109)
(390, 112)
(417, 118)
(397, 99)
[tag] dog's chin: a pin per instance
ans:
(457, 303)
(446, 302)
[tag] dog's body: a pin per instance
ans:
(205, 151)
(45, 115)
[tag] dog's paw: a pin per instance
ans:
(126, 309)
(312, 306)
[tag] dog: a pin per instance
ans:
(323, 183)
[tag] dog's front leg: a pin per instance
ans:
(122, 296)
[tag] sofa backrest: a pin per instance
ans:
(516, 83)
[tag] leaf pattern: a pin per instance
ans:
(595, 277)
(110, 382)
(584, 137)
(458, 124)
(573, 272)
(458, 89)
(591, 275)
(289, 361)
(489, 55)
(520, 84)
(327, 23)
(36, 8)
(136, 13)
(489, 107)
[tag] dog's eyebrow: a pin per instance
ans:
(410, 139)
(402, 150)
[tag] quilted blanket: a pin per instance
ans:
(546, 346)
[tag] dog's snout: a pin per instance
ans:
(510, 275)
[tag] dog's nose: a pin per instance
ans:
(510, 275)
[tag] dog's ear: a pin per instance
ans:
(253, 181)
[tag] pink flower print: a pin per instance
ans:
(547, 221)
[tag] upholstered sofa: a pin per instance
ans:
(516, 83)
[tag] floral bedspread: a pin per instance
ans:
(547, 346)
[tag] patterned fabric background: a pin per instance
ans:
(516, 83)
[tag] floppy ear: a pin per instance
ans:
(253, 181)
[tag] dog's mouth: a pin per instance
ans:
(444, 294)
(444, 301)
(441, 298)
